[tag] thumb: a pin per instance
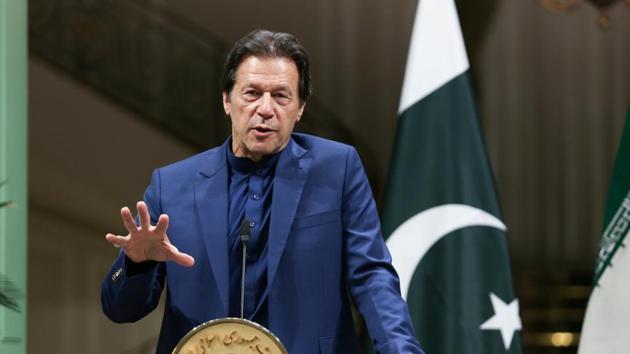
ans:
(181, 258)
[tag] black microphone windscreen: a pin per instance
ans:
(245, 229)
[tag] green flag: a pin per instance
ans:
(441, 214)
(605, 328)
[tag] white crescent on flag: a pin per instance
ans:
(413, 238)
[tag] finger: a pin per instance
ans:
(127, 218)
(145, 218)
(184, 259)
(162, 224)
(117, 241)
(180, 258)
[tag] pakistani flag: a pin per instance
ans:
(446, 236)
(606, 326)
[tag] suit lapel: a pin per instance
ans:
(290, 176)
(211, 198)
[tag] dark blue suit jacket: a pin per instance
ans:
(324, 243)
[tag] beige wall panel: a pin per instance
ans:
(553, 95)
(87, 158)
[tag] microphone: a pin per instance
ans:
(245, 231)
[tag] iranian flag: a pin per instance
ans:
(441, 214)
(606, 326)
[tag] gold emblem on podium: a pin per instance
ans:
(229, 336)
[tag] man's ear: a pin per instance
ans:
(300, 111)
(226, 103)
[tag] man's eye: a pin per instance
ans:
(251, 94)
(282, 97)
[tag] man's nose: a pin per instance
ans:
(265, 110)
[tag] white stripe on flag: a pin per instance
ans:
(606, 324)
(436, 54)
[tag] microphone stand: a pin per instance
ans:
(245, 231)
(207, 334)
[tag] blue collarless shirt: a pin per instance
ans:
(250, 194)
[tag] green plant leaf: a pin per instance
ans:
(9, 294)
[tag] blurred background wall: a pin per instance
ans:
(117, 88)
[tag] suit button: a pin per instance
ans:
(116, 275)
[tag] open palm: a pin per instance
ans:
(147, 242)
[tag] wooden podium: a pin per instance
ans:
(229, 336)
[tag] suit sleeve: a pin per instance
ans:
(132, 290)
(372, 280)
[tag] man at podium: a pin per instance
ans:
(313, 228)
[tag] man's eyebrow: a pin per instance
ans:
(273, 88)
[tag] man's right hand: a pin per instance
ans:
(147, 242)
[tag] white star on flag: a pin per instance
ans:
(506, 319)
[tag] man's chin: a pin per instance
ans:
(264, 148)
(257, 151)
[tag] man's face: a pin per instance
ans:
(264, 106)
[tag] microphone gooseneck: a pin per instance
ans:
(245, 231)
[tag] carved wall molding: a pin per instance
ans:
(152, 61)
(568, 6)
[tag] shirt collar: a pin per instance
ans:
(245, 165)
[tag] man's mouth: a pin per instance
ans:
(263, 130)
